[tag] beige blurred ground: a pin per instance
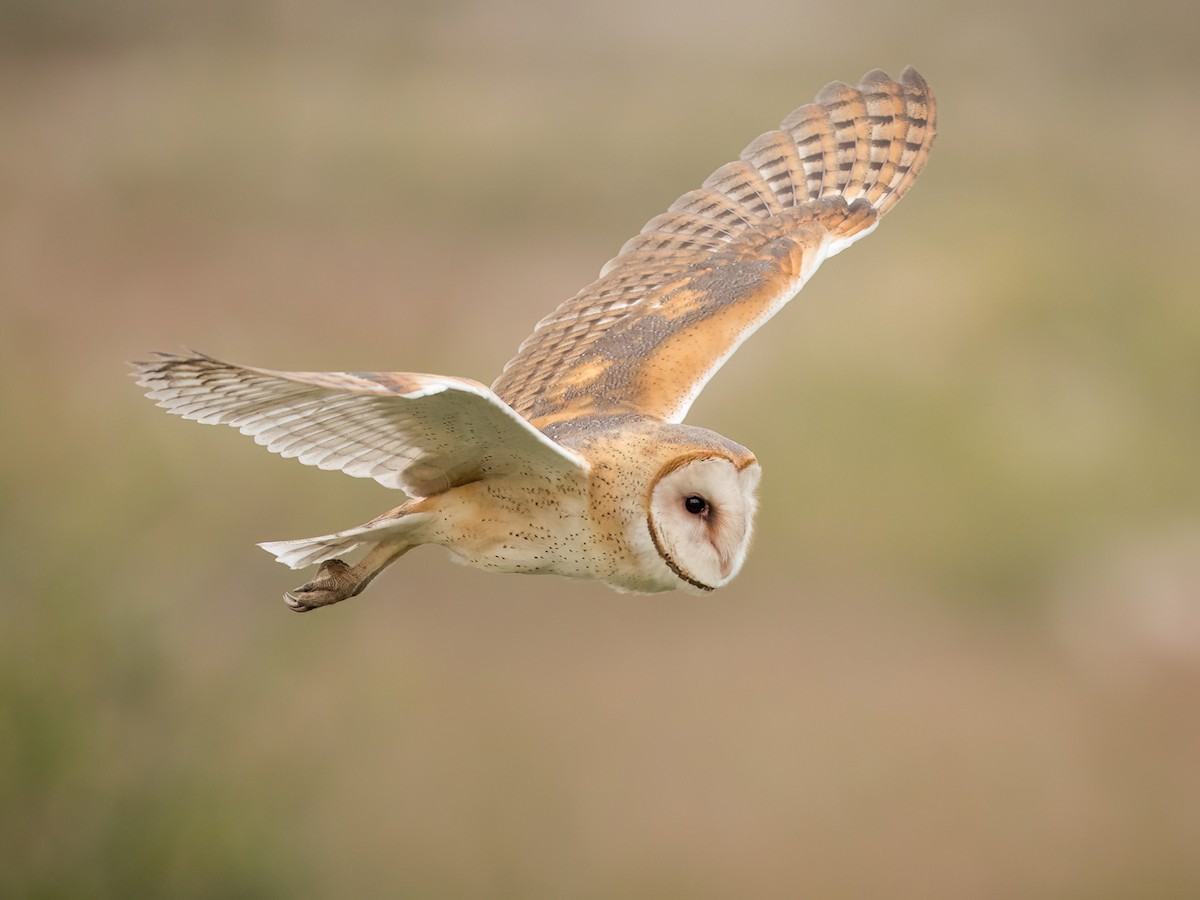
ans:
(964, 657)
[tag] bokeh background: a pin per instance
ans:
(964, 657)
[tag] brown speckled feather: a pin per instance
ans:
(698, 280)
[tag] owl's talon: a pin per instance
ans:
(334, 583)
(294, 602)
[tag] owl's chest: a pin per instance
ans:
(528, 527)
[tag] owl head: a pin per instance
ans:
(701, 514)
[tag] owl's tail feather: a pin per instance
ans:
(310, 551)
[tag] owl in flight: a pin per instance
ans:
(576, 461)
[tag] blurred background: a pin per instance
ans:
(963, 659)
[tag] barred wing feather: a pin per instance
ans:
(685, 292)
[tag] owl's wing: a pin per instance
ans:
(421, 433)
(683, 294)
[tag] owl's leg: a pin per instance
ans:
(337, 581)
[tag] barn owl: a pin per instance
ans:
(576, 461)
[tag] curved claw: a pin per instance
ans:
(295, 603)
(334, 583)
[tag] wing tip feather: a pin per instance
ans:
(913, 78)
(875, 76)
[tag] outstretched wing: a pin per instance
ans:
(421, 433)
(683, 294)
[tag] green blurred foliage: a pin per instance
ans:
(964, 659)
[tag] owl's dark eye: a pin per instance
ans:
(697, 506)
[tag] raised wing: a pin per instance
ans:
(683, 294)
(421, 433)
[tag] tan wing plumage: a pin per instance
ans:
(421, 433)
(698, 280)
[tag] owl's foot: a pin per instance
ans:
(337, 581)
(334, 583)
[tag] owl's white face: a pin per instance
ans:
(701, 517)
